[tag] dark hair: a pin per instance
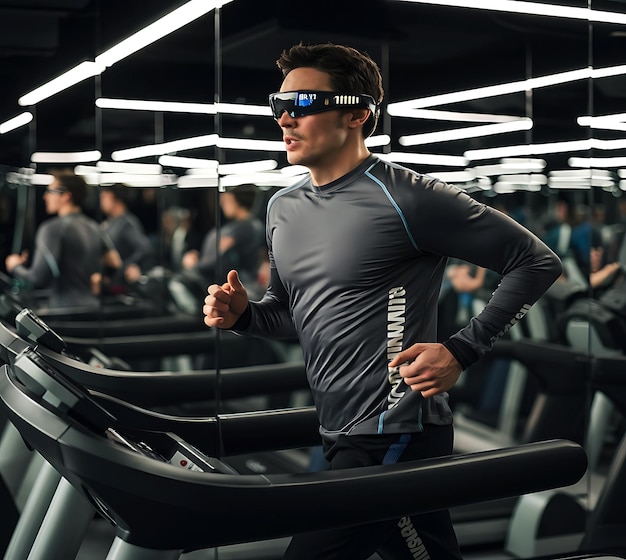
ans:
(120, 191)
(350, 71)
(72, 183)
(244, 195)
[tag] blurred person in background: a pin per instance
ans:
(236, 244)
(128, 235)
(70, 252)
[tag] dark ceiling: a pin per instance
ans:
(423, 50)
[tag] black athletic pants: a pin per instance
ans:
(419, 537)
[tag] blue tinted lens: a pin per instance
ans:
(305, 99)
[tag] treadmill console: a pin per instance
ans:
(34, 329)
(54, 389)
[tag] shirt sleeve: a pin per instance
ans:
(452, 223)
(45, 263)
(140, 246)
(270, 317)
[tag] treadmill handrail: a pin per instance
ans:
(241, 432)
(162, 506)
(166, 387)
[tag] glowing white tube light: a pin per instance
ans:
(379, 140)
(524, 178)
(597, 162)
(247, 167)
(424, 159)
(165, 147)
(532, 8)
(198, 142)
(567, 174)
(605, 122)
(243, 109)
(468, 132)
(197, 172)
(29, 178)
(16, 122)
(86, 170)
(162, 27)
(135, 168)
(184, 107)
(188, 163)
(491, 91)
(507, 88)
(503, 187)
(155, 106)
(588, 120)
(292, 170)
(138, 179)
(250, 144)
(451, 116)
(65, 157)
(453, 176)
(511, 165)
(77, 74)
(259, 179)
(585, 177)
(189, 181)
(548, 148)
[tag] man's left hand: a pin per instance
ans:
(429, 368)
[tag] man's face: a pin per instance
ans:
(54, 197)
(314, 140)
(106, 201)
(228, 204)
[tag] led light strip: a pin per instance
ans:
(548, 148)
(468, 132)
(184, 107)
(162, 27)
(507, 88)
(209, 140)
(597, 162)
(65, 157)
(532, 8)
(453, 116)
(16, 122)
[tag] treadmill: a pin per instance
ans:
(125, 468)
(475, 525)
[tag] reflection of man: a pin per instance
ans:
(69, 249)
(127, 234)
(240, 239)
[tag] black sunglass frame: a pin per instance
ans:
(302, 103)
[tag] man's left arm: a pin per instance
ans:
(463, 228)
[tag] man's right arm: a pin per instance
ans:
(270, 317)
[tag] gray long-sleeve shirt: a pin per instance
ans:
(67, 251)
(357, 266)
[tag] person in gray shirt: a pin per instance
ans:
(237, 243)
(358, 250)
(128, 236)
(70, 252)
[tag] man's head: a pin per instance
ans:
(66, 192)
(237, 203)
(114, 198)
(350, 72)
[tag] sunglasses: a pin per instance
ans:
(303, 103)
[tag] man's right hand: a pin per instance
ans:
(225, 303)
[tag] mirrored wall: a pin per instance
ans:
(524, 111)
